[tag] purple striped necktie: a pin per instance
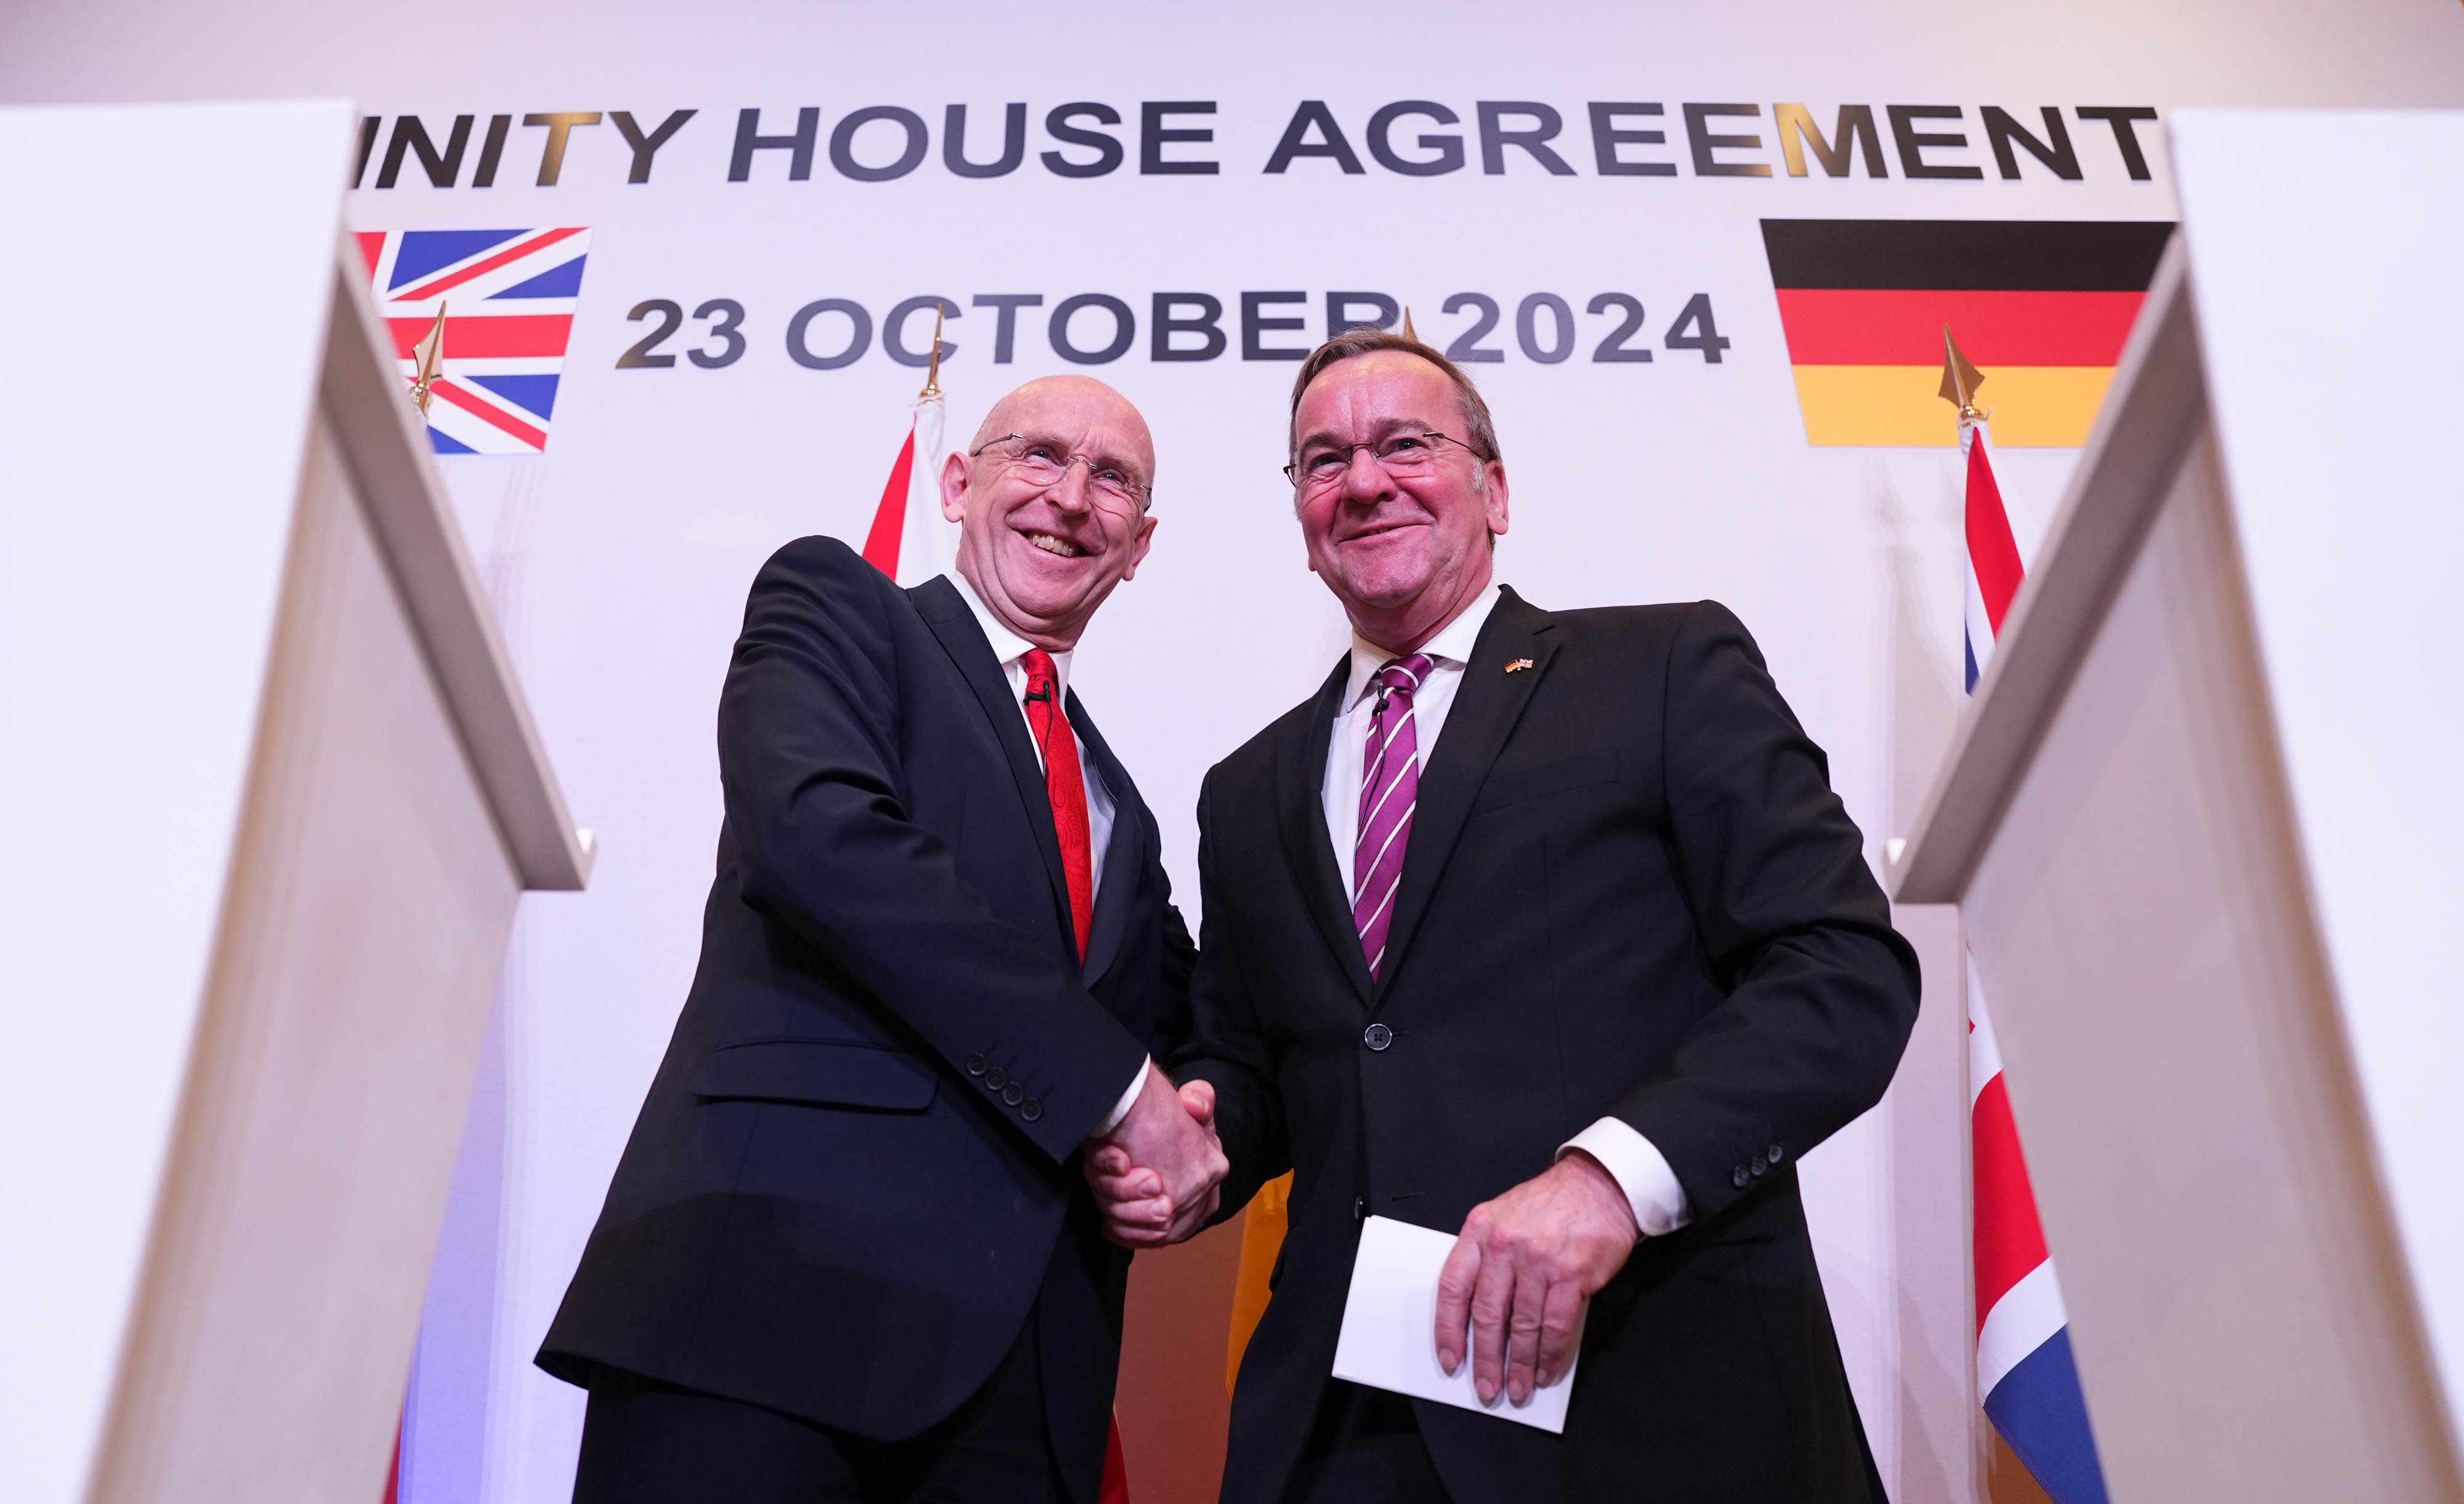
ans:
(1389, 785)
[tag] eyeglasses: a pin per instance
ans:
(1323, 465)
(1041, 462)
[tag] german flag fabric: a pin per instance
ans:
(2041, 307)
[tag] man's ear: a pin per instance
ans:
(1138, 550)
(953, 488)
(1497, 511)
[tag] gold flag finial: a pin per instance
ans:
(1960, 380)
(1409, 333)
(932, 374)
(430, 356)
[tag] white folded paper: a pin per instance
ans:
(1390, 1321)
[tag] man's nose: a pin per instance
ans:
(1364, 479)
(1071, 492)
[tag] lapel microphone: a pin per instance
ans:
(1042, 694)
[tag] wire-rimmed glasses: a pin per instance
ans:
(1406, 454)
(1043, 462)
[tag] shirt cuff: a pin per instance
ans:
(1138, 1083)
(1640, 1170)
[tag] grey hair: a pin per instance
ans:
(1479, 433)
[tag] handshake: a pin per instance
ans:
(1526, 1263)
(1157, 1176)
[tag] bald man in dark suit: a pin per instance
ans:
(848, 1255)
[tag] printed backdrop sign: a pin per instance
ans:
(1604, 211)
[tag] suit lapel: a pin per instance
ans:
(1487, 703)
(946, 612)
(1113, 894)
(1300, 804)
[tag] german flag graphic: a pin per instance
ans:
(2041, 306)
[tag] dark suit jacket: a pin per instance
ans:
(1629, 890)
(857, 1166)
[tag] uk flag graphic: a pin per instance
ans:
(509, 297)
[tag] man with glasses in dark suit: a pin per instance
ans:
(1546, 930)
(848, 1255)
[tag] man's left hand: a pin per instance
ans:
(1522, 1270)
(1127, 1170)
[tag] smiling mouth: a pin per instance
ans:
(1380, 531)
(1053, 543)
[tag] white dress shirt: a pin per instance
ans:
(1011, 649)
(1639, 1168)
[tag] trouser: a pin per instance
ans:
(1364, 1448)
(643, 1442)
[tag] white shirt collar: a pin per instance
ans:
(1008, 646)
(1452, 644)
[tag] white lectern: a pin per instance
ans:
(2206, 826)
(267, 794)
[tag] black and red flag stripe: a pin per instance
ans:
(2041, 306)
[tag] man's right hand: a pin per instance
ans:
(1157, 1175)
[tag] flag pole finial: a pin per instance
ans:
(429, 355)
(933, 375)
(1409, 333)
(1960, 380)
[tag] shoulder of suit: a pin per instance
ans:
(831, 570)
(1661, 615)
(821, 557)
(1257, 755)
(1660, 621)
(1657, 621)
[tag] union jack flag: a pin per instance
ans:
(508, 295)
(2025, 1373)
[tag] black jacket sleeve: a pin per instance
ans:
(1821, 991)
(1172, 1022)
(808, 751)
(1226, 1048)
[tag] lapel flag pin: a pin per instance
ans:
(1519, 663)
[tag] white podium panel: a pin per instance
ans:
(2202, 827)
(268, 802)
(2177, 1072)
(146, 487)
(2333, 332)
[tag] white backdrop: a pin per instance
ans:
(619, 558)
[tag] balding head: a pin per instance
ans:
(1044, 552)
(1076, 395)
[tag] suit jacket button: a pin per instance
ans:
(976, 1064)
(1775, 1154)
(1359, 1205)
(1738, 1177)
(1378, 1036)
(1015, 1093)
(1030, 1109)
(995, 1078)
(1760, 1164)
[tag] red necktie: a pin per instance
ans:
(1066, 786)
